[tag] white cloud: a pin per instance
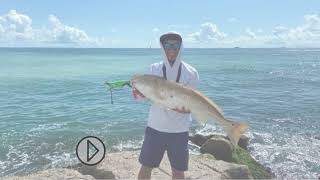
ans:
(251, 34)
(16, 22)
(208, 32)
(16, 30)
(14, 26)
(61, 33)
(305, 35)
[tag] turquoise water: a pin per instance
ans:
(51, 98)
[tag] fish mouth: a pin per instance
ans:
(134, 79)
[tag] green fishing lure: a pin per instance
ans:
(116, 85)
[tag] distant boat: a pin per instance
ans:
(236, 47)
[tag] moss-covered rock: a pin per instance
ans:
(238, 155)
(219, 147)
(241, 156)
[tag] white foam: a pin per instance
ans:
(289, 157)
(128, 145)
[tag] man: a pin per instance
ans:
(168, 130)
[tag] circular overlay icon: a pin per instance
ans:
(90, 150)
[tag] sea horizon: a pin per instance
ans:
(43, 47)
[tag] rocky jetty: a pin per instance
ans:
(219, 160)
(220, 147)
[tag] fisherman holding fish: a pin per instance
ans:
(171, 87)
(168, 130)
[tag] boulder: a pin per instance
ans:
(199, 139)
(219, 147)
(243, 142)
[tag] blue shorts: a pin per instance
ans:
(155, 143)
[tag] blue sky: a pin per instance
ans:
(206, 23)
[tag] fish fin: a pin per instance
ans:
(201, 118)
(235, 130)
(218, 108)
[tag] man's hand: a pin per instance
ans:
(183, 110)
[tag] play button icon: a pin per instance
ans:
(90, 150)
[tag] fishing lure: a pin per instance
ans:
(116, 85)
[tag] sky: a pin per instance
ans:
(139, 23)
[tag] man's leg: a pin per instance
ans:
(151, 152)
(178, 154)
(176, 174)
(145, 172)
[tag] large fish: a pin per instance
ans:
(171, 95)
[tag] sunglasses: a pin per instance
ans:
(174, 46)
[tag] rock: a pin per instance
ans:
(125, 165)
(219, 147)
(257, 170)
(93, 171)
(199, 139)
(243, 142)
(317, 137)
(53, 174)
(227, 170)
(269, 171)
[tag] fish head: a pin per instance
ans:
(144, 83)
(134, 80)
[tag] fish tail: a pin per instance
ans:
(235, 130)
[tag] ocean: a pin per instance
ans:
(51, 98)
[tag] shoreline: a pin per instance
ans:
(125, 165)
